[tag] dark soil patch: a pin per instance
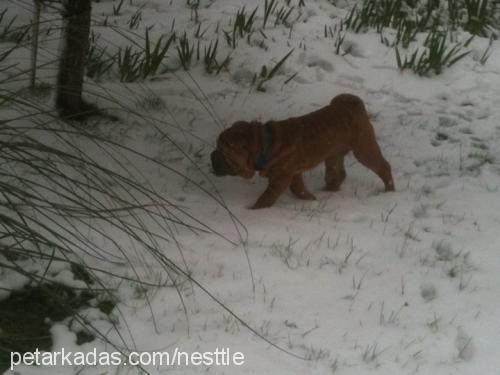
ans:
(27, 315)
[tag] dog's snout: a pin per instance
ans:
(219, 164)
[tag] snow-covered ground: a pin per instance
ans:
(359, 281)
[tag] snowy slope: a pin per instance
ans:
(359, 281)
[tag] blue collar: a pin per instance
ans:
(264, 151)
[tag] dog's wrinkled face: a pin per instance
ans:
(219, 164)
(233, 155)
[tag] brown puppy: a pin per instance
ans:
(282, 150)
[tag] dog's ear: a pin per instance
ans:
(242, 135)
(255, 136)
(235, 149)
(250, 132)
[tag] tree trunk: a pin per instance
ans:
(75, 41)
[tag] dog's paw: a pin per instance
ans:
(258, 205)
(390, 186)
(331, 188)
(307, 196)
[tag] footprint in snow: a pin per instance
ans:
(318, 61)
(352, 48)
(464, 345)
(428, 291)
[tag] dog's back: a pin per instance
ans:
(333, 127)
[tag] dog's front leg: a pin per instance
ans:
(299, 189)
(277, 185)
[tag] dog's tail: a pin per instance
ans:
(350, 101)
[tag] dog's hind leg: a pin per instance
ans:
(299, 189)
(368, 153)
(334, 172)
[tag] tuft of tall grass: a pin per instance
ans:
(69, 195)
(282, 15)
(433, 17)
(480, 16)
(336, 33)
(210, 59)
(269, 7)
(98, 62)
(140, 64)
(56, 199)
(185, 51)
(135, 19)
(74, 198)
(436, 56)
(129, 64)
(410, 16)
(154, 56)
(11, 33)
(242, 26)
(117, 8)
(243, 23)
(194, 5)
(198, 34)
(266, 74)
(486, 54)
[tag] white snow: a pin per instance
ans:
(359, 281)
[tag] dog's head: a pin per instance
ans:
(219, 164)
(236, 150)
